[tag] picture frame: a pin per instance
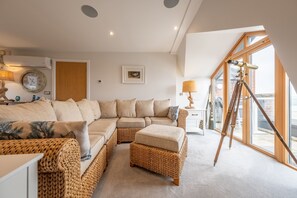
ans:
(133, 74)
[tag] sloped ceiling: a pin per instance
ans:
(55, 25)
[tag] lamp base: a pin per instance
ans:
(188, 107)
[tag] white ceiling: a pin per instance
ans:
(206, 50)
(59, 25)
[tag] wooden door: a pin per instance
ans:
(71, 80)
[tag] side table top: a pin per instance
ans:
(11, 164)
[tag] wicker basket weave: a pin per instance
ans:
(127, 134)
(158, 160)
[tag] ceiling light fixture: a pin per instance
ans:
(170, 3)
(111, 33)
(89, 11)
(175, 28)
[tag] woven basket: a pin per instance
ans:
(127, 134)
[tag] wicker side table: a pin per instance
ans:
(159, 160)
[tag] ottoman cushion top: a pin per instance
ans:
(166, 137)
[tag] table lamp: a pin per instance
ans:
(190, 86)
(5, 75)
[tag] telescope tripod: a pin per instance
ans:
(233, 111)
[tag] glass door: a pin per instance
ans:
(262, 82)
(218, 113)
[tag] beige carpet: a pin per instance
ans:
(240, 172)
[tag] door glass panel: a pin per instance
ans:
(218, 100)
(293, 123)
(232, 82)
(262, 81)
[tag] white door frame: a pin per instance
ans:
(69, 60)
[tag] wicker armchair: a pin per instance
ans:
(58, 170)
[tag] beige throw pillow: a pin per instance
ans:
(161, 107)
(95, 108)
(41, 129)
(34, 111)
(108, 109)
(67, 110)
(145, 108)
(86, 110)
(126, 108)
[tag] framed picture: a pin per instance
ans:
(133, 74)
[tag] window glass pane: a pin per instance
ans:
(262, 82)
(218, 100)
(293, 123)
(239, 47)
(232, 81)
(254, 39)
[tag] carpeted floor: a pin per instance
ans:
(240, 172)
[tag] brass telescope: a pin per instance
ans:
(242, 64)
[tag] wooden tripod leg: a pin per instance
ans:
(270, 122)
(227, 120)
(234, 115)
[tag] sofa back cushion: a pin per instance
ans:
(126, 108)
(34, 111)
(42, 129)
(145, 108)
(108, 109)
(95, 108)
(86, 111)
(67, 110)
(161, 107)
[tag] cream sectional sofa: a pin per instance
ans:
(61, 171)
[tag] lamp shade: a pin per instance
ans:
(6, 75)
(189, 86)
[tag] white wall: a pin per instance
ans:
(160, 70)
(277, 16)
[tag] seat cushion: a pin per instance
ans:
(160, 136)
(126, 108)
(103, 127)
(163, 121)
(34, 111)
(161, 107)
(145, 108)
(86, 111)
(131, 123)
(67, 110)
(97, 142)
(108, 109)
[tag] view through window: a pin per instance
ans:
(293, 123)
(218, 101)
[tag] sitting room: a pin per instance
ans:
(136, 98)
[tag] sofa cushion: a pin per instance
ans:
(145, 108)
(163, 121)
(48, 129)
(148, 121)
(67, 110)
(34, 111)
(161, 107)
(131, 123)
(97, 142)
(103, 127)
(108, 109)
(126, 108)
(160, 136)
(86, 110)
(95, 108)
(173, 113)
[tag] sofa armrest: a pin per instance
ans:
(181, 120)
(59, 153)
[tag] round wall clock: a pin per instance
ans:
(34, 81)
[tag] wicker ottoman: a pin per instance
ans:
(161, 149)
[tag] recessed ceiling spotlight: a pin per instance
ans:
(175, 28)
(170, 3)
(111, 33)
(89, 11)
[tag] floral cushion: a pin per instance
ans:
(43, 129)
(173, 113)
